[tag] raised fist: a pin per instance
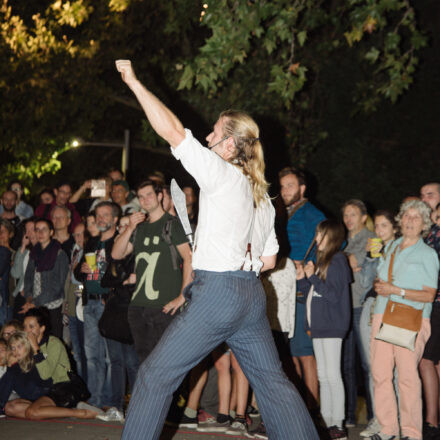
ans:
(126, 70)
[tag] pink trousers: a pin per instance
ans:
(384, 357)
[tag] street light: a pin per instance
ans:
(125, 148)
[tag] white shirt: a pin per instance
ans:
(264, 241)
(225, 208)
(280, 288)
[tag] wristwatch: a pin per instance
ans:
(402, 293)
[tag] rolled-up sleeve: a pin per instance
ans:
(271, 246)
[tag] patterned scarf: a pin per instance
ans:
(45, 258)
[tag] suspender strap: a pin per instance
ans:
(249, 244)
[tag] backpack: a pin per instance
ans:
(166, 235)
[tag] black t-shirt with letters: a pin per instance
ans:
(157, 283)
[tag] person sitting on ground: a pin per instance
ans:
(3, 361)
(10, 328)
(22, 376)
(3, 356)
(41, 376)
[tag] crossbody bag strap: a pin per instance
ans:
(312, 245)
(390, 266)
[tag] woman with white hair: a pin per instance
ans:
(407, 274)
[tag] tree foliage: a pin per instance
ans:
(59, 81)
(290, 44)
(271, 58)
(40, 95)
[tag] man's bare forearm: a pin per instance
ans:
(269, 262)
(162, 119)
(186, 254)
(186, 273)
(121, 244)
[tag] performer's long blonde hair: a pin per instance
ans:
(245, 132)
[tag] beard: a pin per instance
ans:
(295, 198)
(105, 227)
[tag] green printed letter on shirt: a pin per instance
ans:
(147, 276)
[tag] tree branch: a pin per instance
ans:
(408, 10)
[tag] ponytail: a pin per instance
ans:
(249, 151)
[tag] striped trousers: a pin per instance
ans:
(223, 306)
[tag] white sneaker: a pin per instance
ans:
(112, 415)
(373, 427)
(84, 405)
(237, 428)
(211, 425)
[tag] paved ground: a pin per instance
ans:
(70, 429)
(75, 429)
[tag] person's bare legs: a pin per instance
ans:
(17, 408)
(430, 375)
(222, 363)
(233, 400)
(297, 365)
(310, 380)
(254, 402)
(242, 388)
(197, 381)
(45, 408)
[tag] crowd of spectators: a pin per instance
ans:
(90, 279)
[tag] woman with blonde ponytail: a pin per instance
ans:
(226, 301)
